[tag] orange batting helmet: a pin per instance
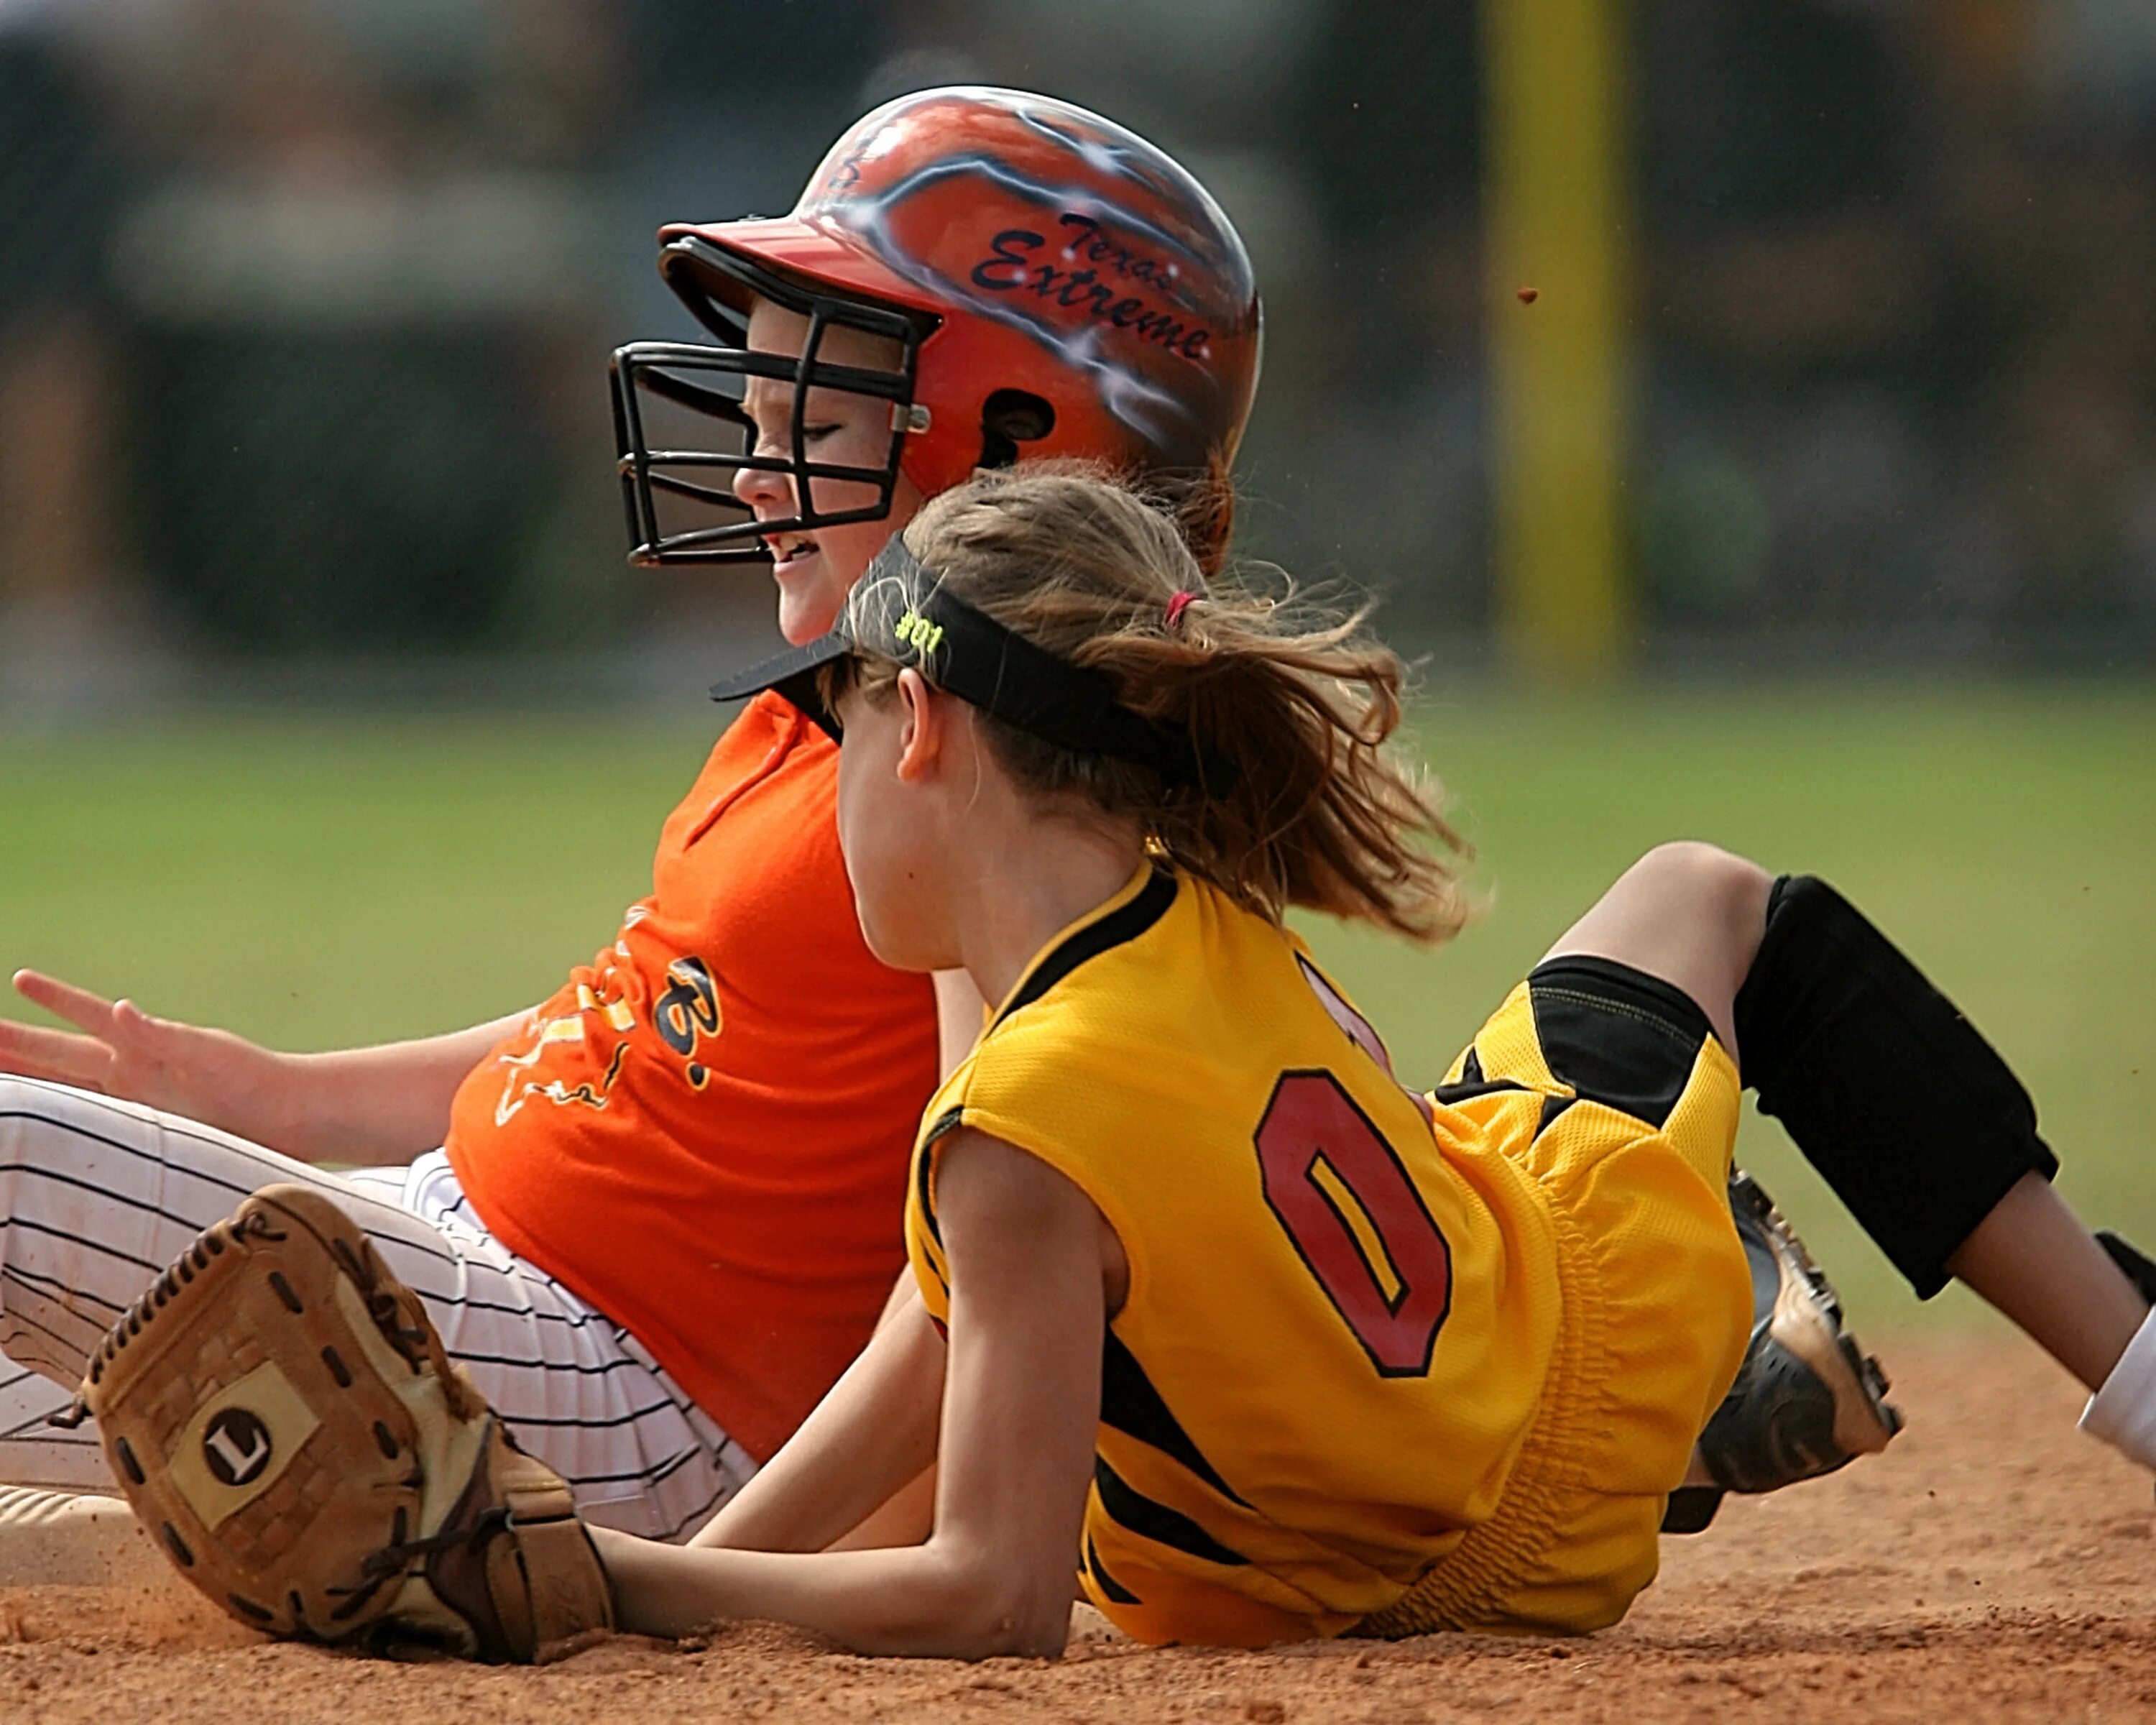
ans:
(1055, 285)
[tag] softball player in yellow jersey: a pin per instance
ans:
(1355, 1332)
(1207, 1306)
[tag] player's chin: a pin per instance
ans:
(896, 942)
(809, 596)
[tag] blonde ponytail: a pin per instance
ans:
(1296, 701)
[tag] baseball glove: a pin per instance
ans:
(281, 1416)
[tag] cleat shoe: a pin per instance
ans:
(1805, 1401)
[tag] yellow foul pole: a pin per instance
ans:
(1557, 198)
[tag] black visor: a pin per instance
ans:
(900, 610)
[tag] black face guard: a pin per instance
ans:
(698, 482)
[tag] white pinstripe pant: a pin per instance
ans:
(97, 1196)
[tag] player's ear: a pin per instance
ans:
(924, 726)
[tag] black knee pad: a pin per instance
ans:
(1890, 1092)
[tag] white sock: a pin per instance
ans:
(2123, 1412)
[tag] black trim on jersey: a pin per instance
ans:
(1552, 1107)
(1118, 927)
(1451, 1096)
(924, 1166)
(1470, 1069)
(1130, 1404)
(946, 1123)
(1106, 1582)
(1616, 1035)
(1148, 1518)
(1111, 931)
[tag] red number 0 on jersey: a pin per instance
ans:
(1357, 1220)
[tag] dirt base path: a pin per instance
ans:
(1995, 1566)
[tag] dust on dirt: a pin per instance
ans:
(1994, 1565)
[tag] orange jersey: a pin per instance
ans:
(705, 1133)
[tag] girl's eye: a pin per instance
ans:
(814, 432)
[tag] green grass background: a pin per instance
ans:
(320, 879)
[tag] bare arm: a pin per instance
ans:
(872, 1435)
(388, 1103)
(363, 1105)
(1021, 1403)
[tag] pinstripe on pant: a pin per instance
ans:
(97, 1196)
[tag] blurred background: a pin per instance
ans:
(1810, 504)
(305, 306)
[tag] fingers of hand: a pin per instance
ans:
(132, 1024)
(34, 1052)
(79, 1007)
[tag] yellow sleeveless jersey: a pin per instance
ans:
(1339, 1329)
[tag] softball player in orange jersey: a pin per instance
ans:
(662, 1216)
(1258, 1341)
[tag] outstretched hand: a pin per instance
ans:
(208, 1075)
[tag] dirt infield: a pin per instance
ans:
(1995, 1566)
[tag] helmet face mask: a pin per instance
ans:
(680, 501)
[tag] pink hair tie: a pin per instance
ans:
(1176, 606)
